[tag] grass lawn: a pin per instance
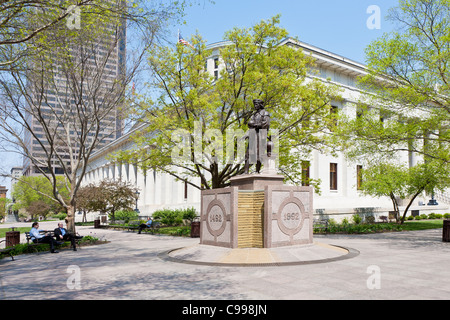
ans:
(3, 231)
(422, 224)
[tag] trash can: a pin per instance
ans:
(97, 223)
(12, 238)
(195, 229)
(446, 231)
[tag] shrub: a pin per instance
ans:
(60, 216)
(438, 216)
(356, 218)
(168, 217)
(370, 219)
(423, 216)
(418, 217)
(189, 214)
(410, 218)
(174, 217)
(125, 215)
(447, 215)
(432, 215)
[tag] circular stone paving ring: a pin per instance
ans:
(215, 218)
(291, 215)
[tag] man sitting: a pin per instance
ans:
(148, 224)
(61, 234)
(37, 237)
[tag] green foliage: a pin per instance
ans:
(125, 215)
(37, 192)
(359, 228)
(89, 240)
(168, 217)
(409, 77)
(174, 217)
(194, 101)
(60, 216)
(397, 181)
(189, 214)
(4, 207)
(108, 196)
(357, 219)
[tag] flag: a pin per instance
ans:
(181, 40)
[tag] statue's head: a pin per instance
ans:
(258, 103)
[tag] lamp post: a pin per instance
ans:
(137, 197)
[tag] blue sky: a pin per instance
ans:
(338, 26)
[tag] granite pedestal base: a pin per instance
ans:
(257, 211)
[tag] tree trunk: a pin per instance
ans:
(71, 219)
(409, 205)
(395, 204)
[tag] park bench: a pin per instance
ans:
(118, 224)
(31, 244)
(155, 226)
(7, 251)
(134, 225)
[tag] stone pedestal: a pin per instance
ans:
(257, 211)
(256, 181)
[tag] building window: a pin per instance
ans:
(305, 173)
(358, 177)
(216, 68)
(333, 176)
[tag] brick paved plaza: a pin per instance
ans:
(404, 265)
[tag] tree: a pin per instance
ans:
(205, 108)
(65, 61)
(399, 182)
(23, 20)
(409, 82)
(29, 192)
(108, 196)
(4, 204)
(37, 209)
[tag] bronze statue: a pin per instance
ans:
(260, 120)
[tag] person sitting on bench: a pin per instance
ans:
(37, 237)
(148, 224)
(61, 234)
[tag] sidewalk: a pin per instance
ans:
(405, 265)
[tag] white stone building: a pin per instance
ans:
(339, 197)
